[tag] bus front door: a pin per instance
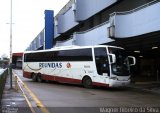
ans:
(102, 65)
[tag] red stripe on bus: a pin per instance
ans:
(63, 79)
(26, 74)
(100, 84)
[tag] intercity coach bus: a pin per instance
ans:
(99, 65)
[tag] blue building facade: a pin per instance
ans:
(49, 29)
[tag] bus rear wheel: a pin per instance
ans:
(87, 82)
(34, 77)
(39, 78)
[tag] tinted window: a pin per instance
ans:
(64, 55)
(100, 53)
(76, 55)
(101, 59)
(37, 57)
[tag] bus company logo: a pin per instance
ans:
(68, 65)
(50, 65)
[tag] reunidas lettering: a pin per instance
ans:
(50, 65)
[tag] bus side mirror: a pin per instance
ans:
(132, 60)
(112, 58)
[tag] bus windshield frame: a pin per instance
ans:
(121, 67)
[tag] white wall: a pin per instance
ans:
(88, 8)
(95, 36)
(137, 23)
(66, 21)
(65, 43)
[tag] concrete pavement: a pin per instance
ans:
(13, 101)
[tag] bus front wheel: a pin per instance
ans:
(87, 82)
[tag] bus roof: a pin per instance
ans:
(71, 47)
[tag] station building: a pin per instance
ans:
(131, 24)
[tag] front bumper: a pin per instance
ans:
(116, 83)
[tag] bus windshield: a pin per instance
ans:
(121, 66)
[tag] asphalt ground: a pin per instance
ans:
(18, 101)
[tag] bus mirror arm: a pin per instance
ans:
(112, 58)
(131, 58)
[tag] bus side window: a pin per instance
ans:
(101, 60)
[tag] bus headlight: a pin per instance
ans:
(114, 78)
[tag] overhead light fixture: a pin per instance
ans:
(137, 51)
(154, 47)
(141, 56)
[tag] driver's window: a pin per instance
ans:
(101, 60)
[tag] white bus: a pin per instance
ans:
(99, 65)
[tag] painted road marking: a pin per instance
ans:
(37, 101)
(28, 102)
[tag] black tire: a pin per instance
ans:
(39, 78)
(87, 82)
(34, 77)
